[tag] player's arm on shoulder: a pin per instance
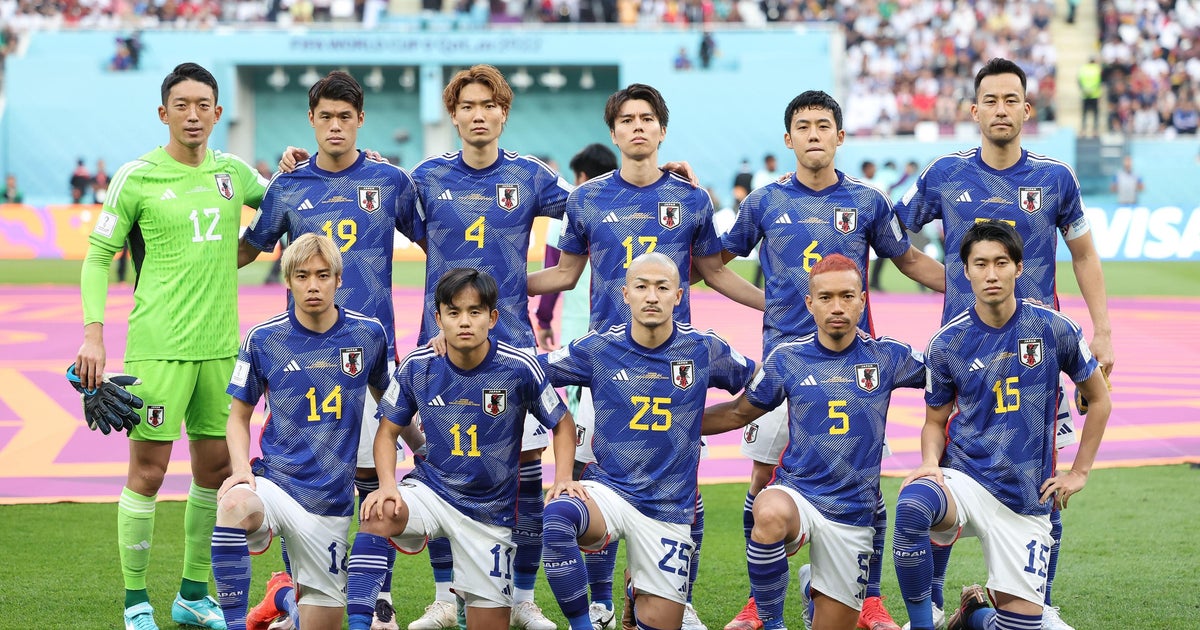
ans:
(1085, 261)
(561, 277)
(919, 266)
(292, 156)
(728, 283)
(729, 415)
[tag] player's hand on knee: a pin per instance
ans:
(109, 407)
(291, 157)
(375, 506)
(933, 472)
(234, 479)
(570, 488)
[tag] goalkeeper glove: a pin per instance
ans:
(108, 407)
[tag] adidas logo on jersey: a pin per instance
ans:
(611, 217)
(975, 365)
(305, 205)
(963, 198)
(446, 196)
(167, 194)
(292, 366)
(786, 219)
(540, 430)
(437, 402)
(809, 380)
(621, 376)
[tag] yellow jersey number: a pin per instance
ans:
(346, 231)
(1008, 394)
(331, 404)
(647, 242)
(656, 407)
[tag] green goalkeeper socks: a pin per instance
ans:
(135, 532)
(199, 517)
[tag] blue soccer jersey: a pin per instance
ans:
(837, 410)
(1006, 385)
(798, 227)
(649, 404)
(612, 222)
(482, 218)
(1038, 196)
(360, 208)
(315, 385)
(473, 422)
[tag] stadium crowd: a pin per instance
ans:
(1150, 65)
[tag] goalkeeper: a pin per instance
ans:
(180, 207)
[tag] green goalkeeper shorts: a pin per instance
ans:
(179, 393)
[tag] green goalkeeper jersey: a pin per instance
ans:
(182, 224)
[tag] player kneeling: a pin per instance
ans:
(315, 363)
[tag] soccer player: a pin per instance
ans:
(1040, 198)
(360, 203)
(180, 207)
(837, 388)
(473, 403)
(315, 364)
(633, 210)
(816, 212)
(480, 204)
(649, 379)
(991, 472)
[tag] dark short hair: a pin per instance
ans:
(999, 65)
(812, 99)
(594, 160)
(454, 281)
(188, 71)
(636, 92)
(336, 86)
(996, 231)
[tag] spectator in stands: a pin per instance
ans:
(1127, 184)
(11, 194)
(768, 174)
(1185, 118)
(99, 183)
(1091, 87)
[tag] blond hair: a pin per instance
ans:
(307, 246)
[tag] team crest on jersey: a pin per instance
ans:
(750, 434)
(155, 414)
(495, 401)
(580, 433)
(669, 214)
(1030, 352)
(224, 185)
(683, 373)
(866, 376)
(352, 361)
(845, 219)
(368, 198)
(1030, 199)
(507, 196)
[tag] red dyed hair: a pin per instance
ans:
(834, 262)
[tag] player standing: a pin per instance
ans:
(360, 203)
(817, 212)
(991, 472)
(649, 380)
(315, 364)
(837, 388)
(1040, 198)
(480, 203)
(180, 207)
(474, 402)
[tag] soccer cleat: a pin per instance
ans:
(603, 617)
(691, 621)
(1052, 621)
(202, 613)
(527, 616)
(804, 576)
(747, 619)
(628, 614)
(384, 617)
(875, 617)
(437, 615)
(973, 598)
(282, 623)
(266, 613)
(140, 617)
(939, 619)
